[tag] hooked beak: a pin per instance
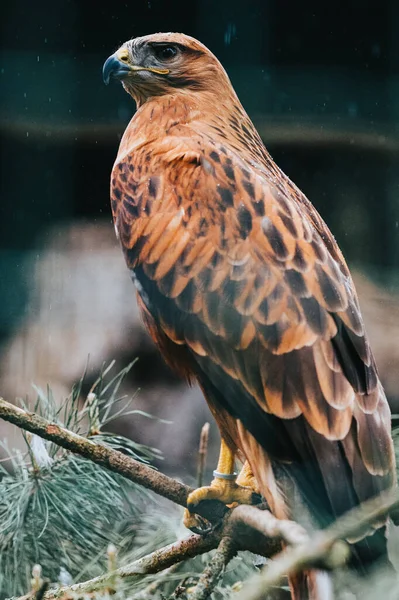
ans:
(115, 68)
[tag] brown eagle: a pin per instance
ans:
(244, 290)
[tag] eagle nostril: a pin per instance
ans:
(123, 56)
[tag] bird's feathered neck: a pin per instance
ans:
(207, 113)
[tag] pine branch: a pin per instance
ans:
(250, 528)
(106, 457)
(147, 565)
(195, 545)
(214, 570)
(324, 547)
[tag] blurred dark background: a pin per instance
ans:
(320, 80)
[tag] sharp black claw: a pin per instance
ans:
(204, 528)
(201, 531)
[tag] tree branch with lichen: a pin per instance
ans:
(107, 457)
(243, 528)
(325, 549)
(154, 562)
(214, 570)
(224, 538)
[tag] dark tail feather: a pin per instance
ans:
(341, 485)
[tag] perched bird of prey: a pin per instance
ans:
(244, 290)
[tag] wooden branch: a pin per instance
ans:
(214, 570)
(177, 592)
(286, 131)
(108, 457)
(151, 563)
(263, 521)
(323, 547)
(231, 529)
(250, 528)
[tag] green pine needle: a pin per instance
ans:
(60, 510)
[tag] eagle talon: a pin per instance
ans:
(228, 493)
(225, 487)
(196, 523)
(223, 490)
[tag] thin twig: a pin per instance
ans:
(177, 552)
(202, 452)
(149, 591)
(214, 570)
(323, 547)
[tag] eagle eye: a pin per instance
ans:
(164, 52)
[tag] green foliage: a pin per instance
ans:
(62, 511)
(58, 509)
(78, 520)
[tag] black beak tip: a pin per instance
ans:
(108, 68)
(114, 69)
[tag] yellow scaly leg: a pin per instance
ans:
(225, 487)
(247, 479)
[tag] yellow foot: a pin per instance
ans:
(247, 479)
(225, 489)
(227, 492)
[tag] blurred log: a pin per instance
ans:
(288, 131)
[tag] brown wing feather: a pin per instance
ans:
(245, 277)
